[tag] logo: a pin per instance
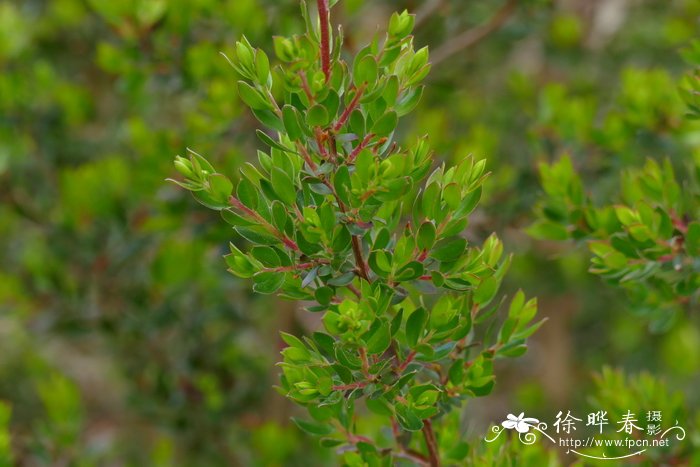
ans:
(630, 433)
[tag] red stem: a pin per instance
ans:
(324, 19)
(363, 144)
(306, 88)
(307, 157)
(408, 360)
(345, 387)
(297, 267)
(351, 106)
(365, 362)
(289, 243)
(359, 259)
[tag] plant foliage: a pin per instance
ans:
(340, 216)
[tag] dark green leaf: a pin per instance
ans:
(386, 124)
(415, 325)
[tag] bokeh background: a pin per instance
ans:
(124, 341)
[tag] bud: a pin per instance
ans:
(284, 48)
(305, 388)
(245, 56)
(401, 25)
(184, 166)
(318, 81)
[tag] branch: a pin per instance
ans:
(298, 267)
(346, 387)
(351, 106)
(363, 144)
(404, 364)
(324, 19)
(362, 268)
(288, 242)
(473, 36)
(359, 259)
(434, 455)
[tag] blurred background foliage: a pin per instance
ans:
(123, 341)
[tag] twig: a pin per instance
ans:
(324, 19)
(306, 88)
(473, 36)
(345, 387)
(351, 106)
(359, 259)
(433, 454)
(365, 363)
(363, 144)
(354, 290)
(289, 243)
(409, 359)
(307, 157)
(298, 267)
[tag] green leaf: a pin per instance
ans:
(267, 282)
(266, 255)
(513, 351)
(407, 418)
(415, 324)
(324, 295)
(380, 339)
(342, 280)
(547, 230)
(341, 182)
(252, 97)
(409, 100)
(283, 186)
(626, 215)
(449, 249)
(247, 193)
(386, 124)
(452, 193)
(396, 322)
(365, 71)
(330, 442)
(486, 290)
(380, 262)
(379, 406)
(411, 271)
(262, 67)
(257, 235)
(516, 305)
(220, 188)
(239, 264)
(265, 138)
(279, 215)
(317, 115)
(426, 236)
(313, 428)
(291, 119)
(269, 119)
(456, 372)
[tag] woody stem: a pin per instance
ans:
(324, 19)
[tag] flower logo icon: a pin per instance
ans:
(521, 424)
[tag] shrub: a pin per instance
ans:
(339, 216)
